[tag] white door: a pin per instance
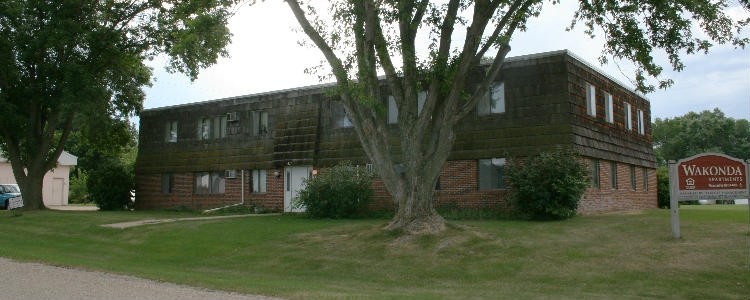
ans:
(294, 179)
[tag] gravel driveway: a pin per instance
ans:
(41, 282)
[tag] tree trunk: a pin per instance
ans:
(31, 185)
(416, 212)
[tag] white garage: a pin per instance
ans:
(56, 182)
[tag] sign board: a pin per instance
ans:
(705, 176)
(711, 176)
(15, 202)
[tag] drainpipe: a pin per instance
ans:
(242, 195)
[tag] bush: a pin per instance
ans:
(110, 186)
(662, 187)
(343, 191)
(547, 186)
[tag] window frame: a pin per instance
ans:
(595, 174)
(609, 112)
(641, 124)
(495, 173)
(628, 116)
(590, 99)
(494, 101)
(260, 123)
(209, 183)
(171, 132)
(259, 181)
(167, 183)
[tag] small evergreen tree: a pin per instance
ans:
(547, 186)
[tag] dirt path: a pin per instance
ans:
(124, 225)
(42, 282)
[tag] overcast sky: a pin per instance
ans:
(265, 56)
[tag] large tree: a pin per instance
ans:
(368, 38)
(67, 62)
(695, 133)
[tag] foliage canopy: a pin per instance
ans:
(68, 64)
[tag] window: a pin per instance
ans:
(608, 108)
(340, 118)
(209, 183)
(632, 178)
(167, 183)
(260, 123)
(590, 99)
(628, 117)
(258, 181)
(392, 110)
(491, 174)
(421, 97)
(641, 128)
(171, 132)
(219, 127)
(204, 129)
(595, 173)
(437, 184)
(613, 174)
(645, 179)
(494, 102)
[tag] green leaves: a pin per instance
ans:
(547, 185)
(695, 133)
(634, 30)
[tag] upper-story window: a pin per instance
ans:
(204, 129)
(590, 99)
(170, 132)
(609, 111)
(421, 97)
(340, 117)
(628, 116)
(494, 102)
(641, 125)
(260, 123)
(392, 110)
(220, 127)
(212, 128)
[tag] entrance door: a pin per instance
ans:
(294, 178)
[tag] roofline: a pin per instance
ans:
(333, 84)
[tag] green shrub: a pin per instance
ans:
(343, 191)
(78, 191)
(110, 186)
(547, 186)
(662, 187)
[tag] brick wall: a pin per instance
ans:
(623, 197)
(458, 188)
(149, 192)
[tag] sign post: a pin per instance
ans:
(705, 176)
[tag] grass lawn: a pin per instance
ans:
(615, 256)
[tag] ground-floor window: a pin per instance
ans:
(258, 181)
(209, 183)
(491, 175)
(632, 178)
(167, 183)
(645, 179)
(613, 174)
(595, 173)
